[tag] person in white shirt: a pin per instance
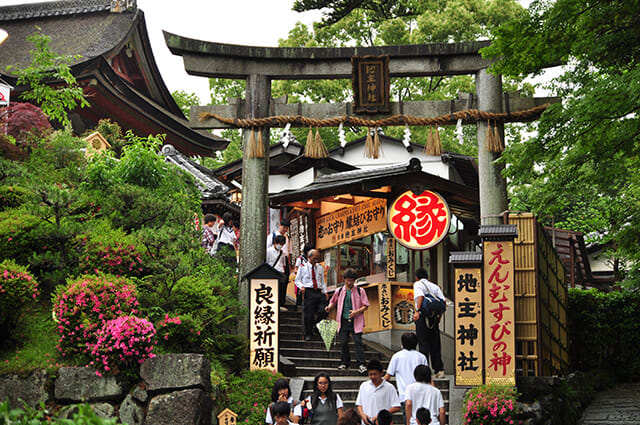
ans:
(427, 329)
(324, 406)
(226, 239)
(404, 363)
(311, 284)
(271, 240)
(422, 394)
(281, 392)
(375, 395)
(277, 260)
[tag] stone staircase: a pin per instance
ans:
(311, 358)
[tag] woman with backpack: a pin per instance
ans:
(323, 407)
(351, 302)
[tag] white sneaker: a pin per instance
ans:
(284, 309)
(362, 369)
(440, 375)
(342, 366)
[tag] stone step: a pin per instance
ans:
(314, 344)
(320, 364)
(334, 353)
(332, 371)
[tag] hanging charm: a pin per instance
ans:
(459, 132)
(406, 136)
(341, 136)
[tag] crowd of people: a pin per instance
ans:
(420, 402)
(416, 397)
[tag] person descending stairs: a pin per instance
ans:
(311, 357)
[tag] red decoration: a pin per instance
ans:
(419, 221)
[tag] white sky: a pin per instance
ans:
(249, 22)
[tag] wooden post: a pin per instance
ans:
(493, 187)
(255, 191)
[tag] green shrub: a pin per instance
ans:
(12, 197)
(604, 332)
(17, 234)
(108, 250)
(490, 405)
(249, 395)
(83, 415)
(17, 288)
(207, 304)
(83, 305)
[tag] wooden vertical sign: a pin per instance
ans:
(263, 318)
(384, 294)
(468, 326)
(391, 259)
(468, 318)
(499, 304)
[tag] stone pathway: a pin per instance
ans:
(617, 406)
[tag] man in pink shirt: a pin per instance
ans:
(351, 302)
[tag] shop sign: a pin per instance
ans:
(403, 308)
(499, 316)
(384, 294)
(419, 221)
(228, 417)
(391, 258)
(264, 324)
(468, 326)
(347, 224)
(371, 84)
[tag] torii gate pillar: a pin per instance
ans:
(255, 187)
(493, 186)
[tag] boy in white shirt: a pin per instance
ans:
(375, 395)
(422, 394)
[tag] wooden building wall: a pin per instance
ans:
(540, 301)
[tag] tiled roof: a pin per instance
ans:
(468, 257)
(507, 230)
(54, 8)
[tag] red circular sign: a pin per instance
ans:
(419, 221)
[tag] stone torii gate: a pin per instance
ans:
(260, 65)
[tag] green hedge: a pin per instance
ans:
(604, 332)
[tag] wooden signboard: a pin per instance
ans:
(347, 224)
(499, 316)
(391, 259)
(384, 295)
(263, 313)
(371, 84)
(468, 326)
(403, 308)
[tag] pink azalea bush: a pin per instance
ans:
(111, 251)
(122, 342)
(490, 405)
(17, 287)
(84, 305)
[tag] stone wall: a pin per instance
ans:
(175, 389)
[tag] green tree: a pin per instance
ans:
(185, 101)
(48, 67)
(582, 167)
